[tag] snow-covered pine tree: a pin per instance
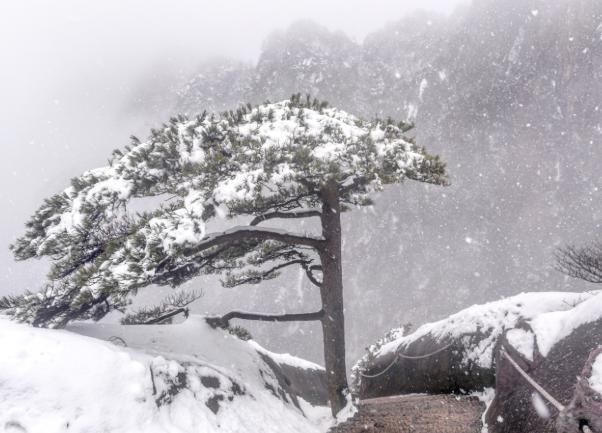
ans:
(288, 160)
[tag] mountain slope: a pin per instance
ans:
(509, 94)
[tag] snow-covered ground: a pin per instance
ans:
(170, 378)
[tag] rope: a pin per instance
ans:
(532, 382)
(403, 355)
(539, 388)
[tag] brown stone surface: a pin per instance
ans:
(416, 414)
(450, 370)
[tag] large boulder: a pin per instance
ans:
(287, 377)
(586, 406)
(557, 350)
(300, 378)
(459, 352)
(449, 370)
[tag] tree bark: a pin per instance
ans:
(333, 322)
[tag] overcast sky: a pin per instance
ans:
(68, 68)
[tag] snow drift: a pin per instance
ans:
(158, 378)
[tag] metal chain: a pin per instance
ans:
(403, 355)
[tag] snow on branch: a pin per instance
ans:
(265, 162)
(241, 233)
(224, 320)
(299, 214)
(256, 277)
(171, 306)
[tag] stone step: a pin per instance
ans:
(416, 413)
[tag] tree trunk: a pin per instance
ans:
(333, 322)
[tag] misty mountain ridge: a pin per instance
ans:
(507, 92)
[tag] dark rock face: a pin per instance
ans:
(445, 372)
(309, 58)
(166, 386)
(586, 406)
(286, 382)
(219, 85)
(308, 384)
(513, 410)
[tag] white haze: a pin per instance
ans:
(71, 69)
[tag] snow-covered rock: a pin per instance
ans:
(563, 359)
(466, 342)
(156, 378)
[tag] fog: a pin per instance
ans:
(521, 133)
(506, 92)
(72, 72)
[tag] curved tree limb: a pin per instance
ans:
(277, 214)
(171, 306)
(287, 204)
(168, 272)
(310, 275)
(242, 233)
(168, 316)
(224, 320)
(259, 277)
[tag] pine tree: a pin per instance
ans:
(277, 161)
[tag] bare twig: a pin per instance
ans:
(581, 262)
(298, 214)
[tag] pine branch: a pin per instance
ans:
(272, 251)
(256, 278)
(170, 307)
(277, 214)
(168, 316)
(167, 273)
(224, 320)
(242, 233)
(10, 302)
(311, 198)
